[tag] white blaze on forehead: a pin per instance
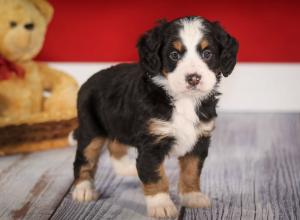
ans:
(191, 33)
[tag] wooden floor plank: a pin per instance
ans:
(32, 185)
(120, 197)
(252, 172)
(9, 162)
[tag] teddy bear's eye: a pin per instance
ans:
(29, 26)
(13, 24)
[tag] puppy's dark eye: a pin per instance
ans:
(207, 54)
(13, 24)
(174, 55)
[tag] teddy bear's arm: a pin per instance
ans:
(62, 87)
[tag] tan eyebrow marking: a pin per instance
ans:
(203, 44)
(178, 45)
(165, 72)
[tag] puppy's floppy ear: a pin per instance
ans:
(229, 49)
(149, 46)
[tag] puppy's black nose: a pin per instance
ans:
(193, 79)
(29, 26)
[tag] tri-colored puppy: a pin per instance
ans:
(163, 105)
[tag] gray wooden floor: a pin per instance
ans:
(252, 172)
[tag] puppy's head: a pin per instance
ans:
(187, 55)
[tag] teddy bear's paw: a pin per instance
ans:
(84, 192)
(195, 200)
(161, 206)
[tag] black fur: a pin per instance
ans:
(121, 110)
(149, 46)
(117, 103)
(226, 47)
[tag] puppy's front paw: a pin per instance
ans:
(195, 200)
(84, 192)
(161, 206)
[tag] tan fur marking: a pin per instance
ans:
(91, 153)
(205, 128)
(159, 128)
(117, 149)
(203, 44)
(189, 178)
(161, 186)
(165, 72)
(178, 45)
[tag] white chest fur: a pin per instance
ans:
(184, 126)
(184, 123)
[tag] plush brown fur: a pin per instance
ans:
(22, 99)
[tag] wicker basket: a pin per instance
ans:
(36, 135)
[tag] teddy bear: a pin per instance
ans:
(37, 102)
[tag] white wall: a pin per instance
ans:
(251, 87)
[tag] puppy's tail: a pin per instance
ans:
(72, 138)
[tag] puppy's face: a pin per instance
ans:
(188, 55)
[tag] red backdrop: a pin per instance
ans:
(94, 30)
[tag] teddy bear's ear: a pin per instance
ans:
(44, 7)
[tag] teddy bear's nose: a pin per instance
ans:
(29, 26)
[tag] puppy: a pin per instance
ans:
(163, 105)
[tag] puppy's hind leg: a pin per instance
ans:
(121, 163)
(85, 166)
